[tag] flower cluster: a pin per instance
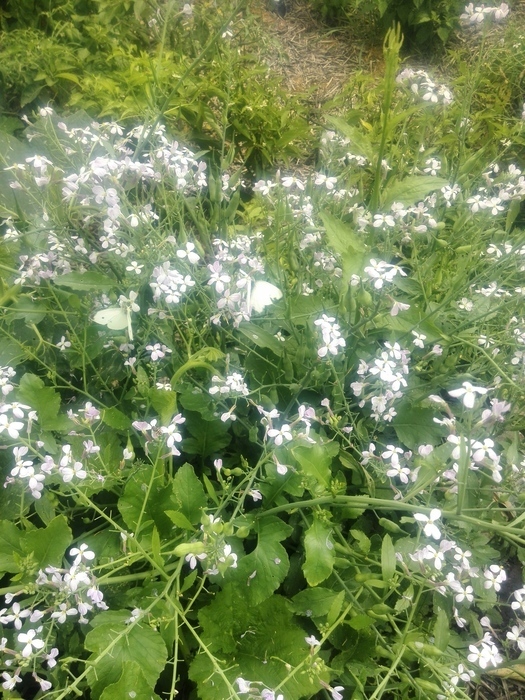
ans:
(476, 15)
(500, 188)
(64, 594)
(382, 381)
(99, 190)
(233, 276)
(423, 86)
(212, 549)
(330, 331)
(169, 433)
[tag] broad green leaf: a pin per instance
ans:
(28, 310)
(361, 622)
(188, 495)
(411, 190)
(116, 419)
(512, 214)
(44, 508)
(341, 236)
(261, 338)
(48, 545)
(315, 464)
(260, 573)
(208, 436)
(145, 499)
(44, 400)
(164, 402)
(314, 602)
(388, 558)
(198, 401)
(86, 282)
(11, 353)
(415, 426)
(319, 552)
(131, 684)
(114, 643)
(359, 144)
(252, 641)
(11, 544)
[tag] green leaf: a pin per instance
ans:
(319, 552)
(115, 644)
(361, 622)
(45, 400)
(164, 402)
(315, 463)
(86, 282)
(69, 76)
(131, 684)
(48, 545)
(335, 608)
(252, 641)
(415, 426)
(28, 310)
(11, 543)
(145, 499)
(411, 190)
(261, 572)
(441, 630)
(179, 520)
(363, 542)
(188, 494)
(116, 419)
(314, 602)
(208, 436)
(261, 338)
(388, 558)
(359, 144)
(341, 236)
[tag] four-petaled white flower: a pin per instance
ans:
(30, 642)
(468, 392)
(280, 435)
(430, 528)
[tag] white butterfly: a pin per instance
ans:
(261, 294)
(116, 318)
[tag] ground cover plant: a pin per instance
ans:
(130, 61)
(268, 446)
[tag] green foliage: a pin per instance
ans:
(118, 649)
(424, 22)
(214, 491)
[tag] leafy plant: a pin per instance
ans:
(270, 447)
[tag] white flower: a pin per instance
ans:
(419, 339)
(12, 427)
(62, 613)
(63, 344)
(10, 681)
(244, 686)
(280, 435)
(312, 641)
(336, 692)
(30, 642)
(82, 552)
(430, 528)
(468, 392)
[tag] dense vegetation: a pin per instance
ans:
(262, 370)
